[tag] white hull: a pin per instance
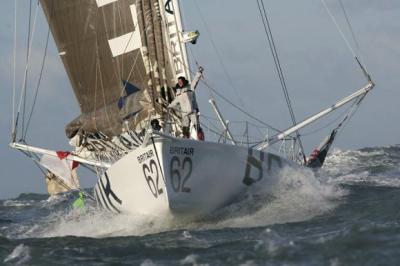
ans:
(183, 177)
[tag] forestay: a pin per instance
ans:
(119, 56)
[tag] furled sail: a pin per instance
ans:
(119, 56)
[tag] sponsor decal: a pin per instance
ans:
(168, 7)
(254, 166)
(108, 194)
(180, 172)
(152, 176)
(145, 156)
(186, 151)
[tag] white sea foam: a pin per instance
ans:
(191, 259)
(298, 195)
(96, 223)
(271, 242)
(19, 256)
(186, 235)
(373, 166)
(148, 262)
(18, 203)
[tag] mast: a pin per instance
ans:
(176, 48)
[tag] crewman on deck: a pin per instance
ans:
(186, 99)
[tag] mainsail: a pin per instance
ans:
(119, 55)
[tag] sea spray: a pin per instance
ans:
(296, 195)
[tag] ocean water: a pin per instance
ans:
(348, 213)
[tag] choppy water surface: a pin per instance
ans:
(346, 214)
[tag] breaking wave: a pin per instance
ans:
(368, 166)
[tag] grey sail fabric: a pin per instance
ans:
(117, 54)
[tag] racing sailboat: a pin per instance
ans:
(123, 58)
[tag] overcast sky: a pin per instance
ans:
(318, 67)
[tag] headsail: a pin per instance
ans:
(118, 54)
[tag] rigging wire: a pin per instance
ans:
(14, 71)
(361, 65)
(349, 25)
(223, 135)
(353, 36)
(271, 42)
(27, 59)
(122, 25)
(237, 122)
(350, 115)
(333, 121)
(24, 83)
(239, 108)
(227, 75)
(208, 119)
(204, 82)
(278, 66)
(38, 84)
(338, 28)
